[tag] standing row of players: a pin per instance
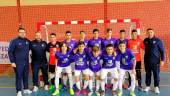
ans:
(96, 57)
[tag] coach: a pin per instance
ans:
(153, 58)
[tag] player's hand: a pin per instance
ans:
(13, 65)
(162, 63)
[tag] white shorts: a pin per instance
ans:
(78, 72)
(91, 73)
(112, 71)
(122, 72)
(59, 70)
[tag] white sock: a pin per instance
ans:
(65, 80)
(86, 83)
(133, 82)
(70, 80)
(56, 82)
(103, 85)
(78, 85)
(97, 85)
(91, 85)
(115, 84)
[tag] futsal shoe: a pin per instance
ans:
(147, 89)
(35, 89)
(132, 93)
(120, 93)
(90, 93)
(19, 93)
(56, 92)
(51, 88)
(84, 92)
(27, 91)
(157, 90)
(78, 92)
(71, 92)
(97, 93)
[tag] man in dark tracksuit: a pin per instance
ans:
(19, 57)
(39, 60)
(153, 58)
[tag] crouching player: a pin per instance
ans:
(95, 64)
(81, 67)
(64, 58)
(127, 64)
(109, 66)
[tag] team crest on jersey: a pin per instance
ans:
(26, 42)
(154, 42)
(126, 56)
(109, 61)
(81, 59)
(42, 45)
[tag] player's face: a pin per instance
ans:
(38, 36)
(96, 34)
(68, 36)
(134, 35)
(95, 54)
(81, 47)
(150, 33)
(122, 47)
(109, 34)
(109, 50)
(122, 35)
(53, 38)
(64, 48)
(82, 35)
(22, 33)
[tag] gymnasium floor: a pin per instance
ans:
(7, 88)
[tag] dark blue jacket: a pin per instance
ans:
(154, 50)
(39, 49)
(19, 51)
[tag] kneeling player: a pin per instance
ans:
(95, 62)
(109, 66)
(127, 64)
(64, 58)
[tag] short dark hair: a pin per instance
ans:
(61, 45)
(94, 30)
(82, 32)
(68, 32)
(134, 30)
(108, 29)
(20, 28)
(122, 31)
(52, 34)
(81, 43)
(122, 42)
(149, 29)
(109, 45)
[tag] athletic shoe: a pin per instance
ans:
(90, 93)
(147, 89)
(132, 93)
(84, 92)
(35, 89)
(46, 87)
(27, 91)
(120, 93)
(78, 92)
(157, 90)
(52, 87)
(19, 93)
(97, 93)
(71, 91)
(56, 92)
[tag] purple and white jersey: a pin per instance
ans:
(95, 42)
(95, 63)
(85, 42)
(126, 59)
(108, 61)
(106, 41)
(80, 61)
(71, 44)
(118, 40)
(63, 59)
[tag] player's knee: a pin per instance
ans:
(97, 78)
